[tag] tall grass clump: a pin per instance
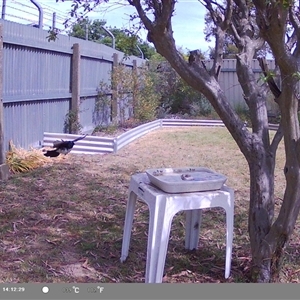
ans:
(20, 160)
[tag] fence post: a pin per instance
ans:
(73, 116)
(4, 172)
(114, 98)
(135, 87)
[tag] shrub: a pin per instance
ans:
(134, 93)
(176, 97)
(146, 99)
(72, 124)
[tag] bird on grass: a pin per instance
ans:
(62, 147)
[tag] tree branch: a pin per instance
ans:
(222, 19)
(291, 40)
(294, 18)
(270, 80)
(227, 15)
(271, 17)
(276, 139)
(146, 21)
(167, 12)
(295, 21)
(276, 92)
(235, 34)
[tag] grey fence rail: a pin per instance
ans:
(102, 145)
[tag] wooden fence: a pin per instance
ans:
(47, 85)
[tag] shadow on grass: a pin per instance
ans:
(65, 223)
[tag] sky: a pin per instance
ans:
(188, 20)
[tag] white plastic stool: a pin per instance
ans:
(162, 209)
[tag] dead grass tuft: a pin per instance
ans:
(20, 160)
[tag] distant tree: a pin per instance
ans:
(229, 51)
(129, 43)
(85, 28)
(147, 49)
(124, 39)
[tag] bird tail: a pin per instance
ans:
(80, 138)
(51, 153)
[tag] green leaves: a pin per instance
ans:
(270, 74)
(287, 3)
(52, 34)
(126, 40)
(297, 75)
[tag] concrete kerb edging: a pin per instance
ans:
(132, 134)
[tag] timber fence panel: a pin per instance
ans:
(37, 83)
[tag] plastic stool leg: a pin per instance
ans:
(229, 230)
(192, 228)
(158, 238)
(128, 225)
(229, 238)
(162, 253)
(156, 261)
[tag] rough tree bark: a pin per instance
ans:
(272, 18)
(236, 18)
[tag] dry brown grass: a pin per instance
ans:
(63, 222)
(20, 160)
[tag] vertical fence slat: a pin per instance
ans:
(2, 153)
(114, 100)
(3, 166)
(75, 100)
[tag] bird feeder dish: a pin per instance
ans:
(186, 180)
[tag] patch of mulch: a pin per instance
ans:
(115, 131)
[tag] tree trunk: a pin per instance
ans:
(268, 253)
(268, 240)
(261, 210)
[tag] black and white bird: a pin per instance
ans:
(62, 147)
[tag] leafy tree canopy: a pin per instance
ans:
(125, 41)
